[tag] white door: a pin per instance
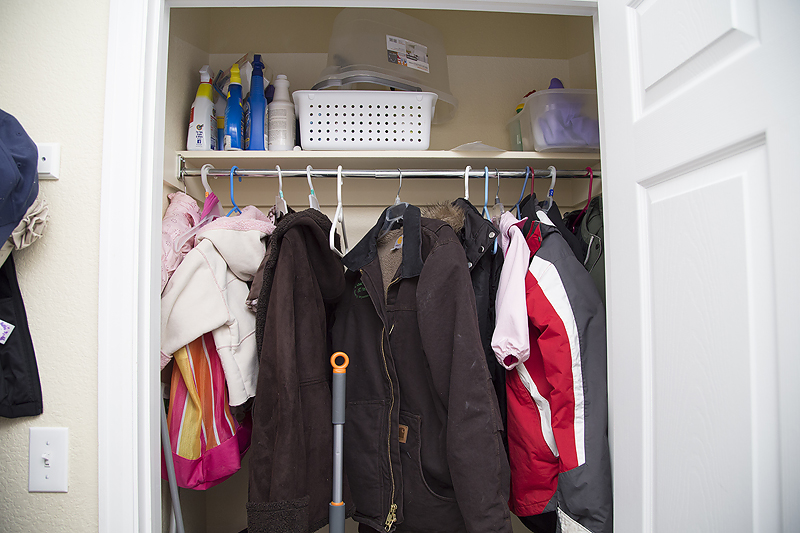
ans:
(700, 112)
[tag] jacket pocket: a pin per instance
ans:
(366, 457)
(424, 510)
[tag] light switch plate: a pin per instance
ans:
(47, 461)
(49, 166)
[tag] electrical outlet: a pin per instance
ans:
(49, 166)
(47, 461)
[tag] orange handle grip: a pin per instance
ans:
(339, 369)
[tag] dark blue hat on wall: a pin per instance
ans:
(19, 179)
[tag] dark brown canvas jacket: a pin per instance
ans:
(423, 449)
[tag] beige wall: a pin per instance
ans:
(53, 65)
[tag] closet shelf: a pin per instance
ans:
(363, 160)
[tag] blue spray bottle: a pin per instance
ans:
(234, 131)
(256, 137)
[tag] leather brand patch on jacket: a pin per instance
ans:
(403, 434)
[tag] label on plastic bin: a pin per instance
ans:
(407, 53)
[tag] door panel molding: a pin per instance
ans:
(677, 51)
(677, 211)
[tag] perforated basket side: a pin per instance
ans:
(364, 120)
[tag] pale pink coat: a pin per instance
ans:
(510, 340)
(182, 215)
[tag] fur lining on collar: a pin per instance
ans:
(446, 212)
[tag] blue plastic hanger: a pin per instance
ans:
(522, 194)
(235, 207)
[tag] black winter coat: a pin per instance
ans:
(291, 465)
(20, 389)
(423, 449)
(478, 236)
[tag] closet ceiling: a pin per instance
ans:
(468, 33)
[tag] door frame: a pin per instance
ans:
(129, 456)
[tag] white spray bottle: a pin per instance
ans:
(203, 121)
(281, 116)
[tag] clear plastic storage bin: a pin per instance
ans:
(515, 133)
(364, 120)
(382, 49)
(560, 120)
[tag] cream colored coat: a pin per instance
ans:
(208, 292)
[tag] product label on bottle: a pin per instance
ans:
(246, 120)
(407, 53)
(199, 135)
(266, 128)
(213, 131)
(281, 128)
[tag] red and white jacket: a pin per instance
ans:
(557, 398)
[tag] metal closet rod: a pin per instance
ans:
(393, 173)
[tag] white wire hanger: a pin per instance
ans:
(280, 203)
(498, 208)
(313, 202)
(338, 217)
(204, 178)
(213, 215)
(466, 182)
(485, 211)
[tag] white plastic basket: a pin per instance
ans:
(364, 120)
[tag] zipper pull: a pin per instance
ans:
(392, 518)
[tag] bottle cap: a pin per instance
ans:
(257, 64)
(205, 74)
(235, 76)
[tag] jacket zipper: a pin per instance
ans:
(391, 518)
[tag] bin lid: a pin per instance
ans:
(383, 48)
(445, 108)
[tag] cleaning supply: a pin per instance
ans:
(203, 121)
(281, 117)
(257, 112)
(219, 108)
(234, 115)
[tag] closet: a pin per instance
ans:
(494, 59)
(699, 157)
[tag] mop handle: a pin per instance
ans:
(336, 511)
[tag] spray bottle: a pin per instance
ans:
(281, 117)
(234, 131)
(203, 121)
(256, 127)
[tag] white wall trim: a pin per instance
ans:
(129, 458)
(549, 7)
